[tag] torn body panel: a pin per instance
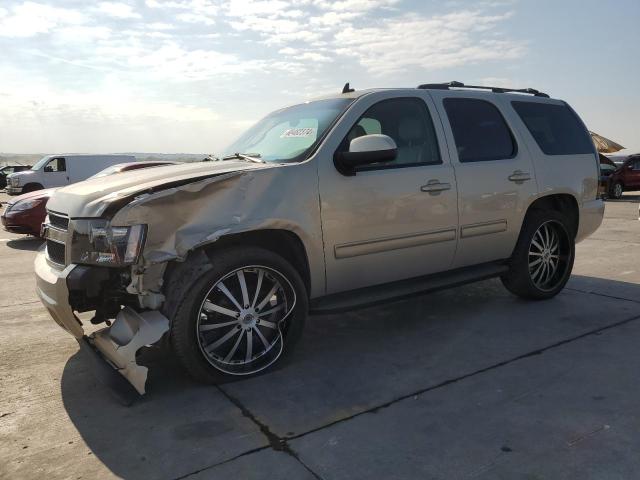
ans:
(190, 216)
(117, 344)
(130, 332)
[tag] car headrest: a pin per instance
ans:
(355, 132)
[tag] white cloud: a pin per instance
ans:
(118, 10)
(195, 18)
(355, 5)
(193, 11)
(173, 62)
(29, 19)
(112, 119)
(498, 82)
(159, 26)
(416, 41)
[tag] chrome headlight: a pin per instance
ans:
(96, 242)
(15, 181)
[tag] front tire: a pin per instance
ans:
(542, 261)
(617, 190)
(241, 316)
(32, 187)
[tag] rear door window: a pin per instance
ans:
(480, 132)
(556, 128)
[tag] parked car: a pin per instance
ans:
(26, 213)
(626, 178)
(8, 170)
(59, 170)
(349, 200)
(607, 167)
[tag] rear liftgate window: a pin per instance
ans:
(480, 132)
(555, 128)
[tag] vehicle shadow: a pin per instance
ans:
(345, 363)
(26, 243)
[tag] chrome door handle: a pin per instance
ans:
(519, 176)
(435, 187)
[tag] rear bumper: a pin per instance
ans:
(117, 344)
(591, 214)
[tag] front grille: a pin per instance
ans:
(58, 221)
(55, 252)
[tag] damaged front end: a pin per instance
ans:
(110, 252)
(101, 289)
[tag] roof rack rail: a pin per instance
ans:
(454, 84)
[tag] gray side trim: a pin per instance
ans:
(366, 247)
(487, 228)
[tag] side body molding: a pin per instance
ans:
(355, 249)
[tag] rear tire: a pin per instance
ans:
(542, 261)
(238, 315)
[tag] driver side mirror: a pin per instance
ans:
(365, 150)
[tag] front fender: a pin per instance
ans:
(182, 219)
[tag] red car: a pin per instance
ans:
(25, 213)
(626, 178)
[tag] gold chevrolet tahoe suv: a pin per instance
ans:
(344, 201)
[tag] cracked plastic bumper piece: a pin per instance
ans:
(117, 344)
(120, 342)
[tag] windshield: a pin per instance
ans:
(40, 163)
(287, 135)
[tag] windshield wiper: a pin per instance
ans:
(251, 157)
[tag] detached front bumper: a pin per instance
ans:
(117, 345)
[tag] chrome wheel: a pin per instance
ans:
(548, 255)
(242, 319)
(617, 190)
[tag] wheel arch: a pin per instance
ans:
(285, 243)
(29, 187)
(565, 203)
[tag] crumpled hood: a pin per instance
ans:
(91, 197)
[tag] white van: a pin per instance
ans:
(61, 170)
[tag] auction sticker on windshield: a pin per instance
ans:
(299, 133)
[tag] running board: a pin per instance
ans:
(389, 292)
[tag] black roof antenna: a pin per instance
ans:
(347, 88)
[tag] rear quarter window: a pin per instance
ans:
(556, 128)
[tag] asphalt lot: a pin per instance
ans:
(465, 383)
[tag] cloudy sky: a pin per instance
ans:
(190, 75)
